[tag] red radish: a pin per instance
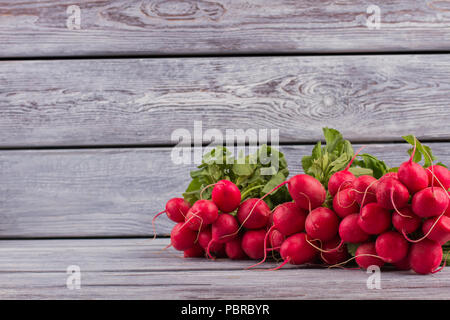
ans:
(176, 210)
(447, 212)
(233, 249)
(366, 256)
(441, 229)
(204, 239)
(365, 188)
(430, 202)
(344, 203)
(224, 229)
(194, 252)
(405, 220)
(341, 180)
(197, 224)
(288, 218)
(350, 231)
(253, 213)
(201, 214)
(296, 250)
(438, 176)
(253, 243)
(391, 246)
(412, 174)
(374, 219)
(274, 239)
(221, 253)
(307, 192)
(403, 264)
(182, 238)
(392, 194)
(322, 223)
(389, 175)
(226, 196)
(330, 256)
(425, 256)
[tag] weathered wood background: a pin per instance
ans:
(87, 116)
(175, 27)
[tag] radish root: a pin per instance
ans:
(322, 250)
(427, 234)
(153, 223)
(281, 265)
(352, 258)
(265, 249)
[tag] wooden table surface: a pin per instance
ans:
(87, 115)
(137, 269)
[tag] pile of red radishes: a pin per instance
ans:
(402, 219)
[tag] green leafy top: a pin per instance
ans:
(336, 155)
(422, 152)
(324, 161)
(373, 166)
(254, 174)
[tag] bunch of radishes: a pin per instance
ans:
(403, 219)
(379, 215)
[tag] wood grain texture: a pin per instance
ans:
(36, 28)
(111, 192)
(133, 269)
(142, 101)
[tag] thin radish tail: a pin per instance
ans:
(165, 248)
(208, 249)
(153, 223)
(251, 211)
(208, 186)
(395, 207)
(322, 250)
(194, 215)
(436, 178)
(323, 258)
(265, 249)
(273, 250)
(182, 213)
(287, 260)
(427, 234)
(199, 228)
(345, 268)
(337, 266)
(339, 196)
(309, 201)
(352, 258)
(353, 158)
(443, 266)
(365, 193)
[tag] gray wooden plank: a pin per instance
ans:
(36, 28)
(127, 269)
(111, 192)
(143, 101)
